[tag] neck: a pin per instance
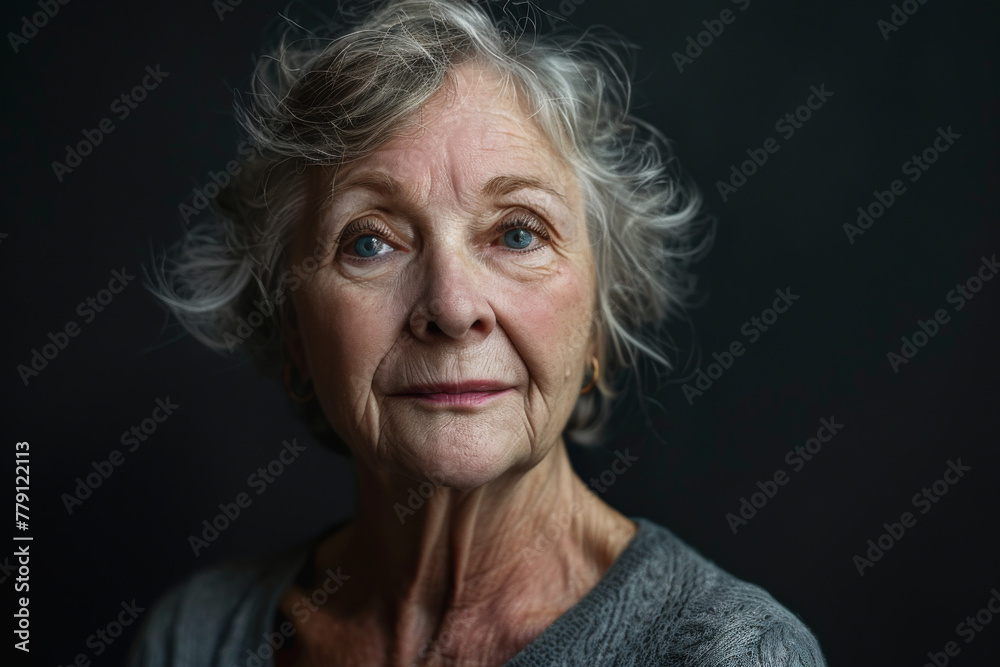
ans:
(515, 553)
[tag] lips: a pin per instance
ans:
(456, 387)
(458, 394)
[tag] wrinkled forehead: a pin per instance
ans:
(476, 127)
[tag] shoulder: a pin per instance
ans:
(209, 618)
(700, 614)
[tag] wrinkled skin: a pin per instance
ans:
(457, 252)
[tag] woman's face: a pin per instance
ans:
(448, 331)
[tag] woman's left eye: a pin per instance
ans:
(519, 238)
(523, 234)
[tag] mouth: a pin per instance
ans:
(463, 394)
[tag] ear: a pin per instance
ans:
(294, 346)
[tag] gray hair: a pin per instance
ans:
(326, 100)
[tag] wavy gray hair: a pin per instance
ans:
(323, 101)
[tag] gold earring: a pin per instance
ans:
(288, 386)
(593, 376)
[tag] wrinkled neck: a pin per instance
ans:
(517, 551)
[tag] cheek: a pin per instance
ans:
(345, 337)
(552, 327)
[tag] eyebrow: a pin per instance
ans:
(498, 186)
(376, 181)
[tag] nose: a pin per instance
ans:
(452, 303)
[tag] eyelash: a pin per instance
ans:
(370, 226)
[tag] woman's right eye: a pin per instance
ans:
(364, 239)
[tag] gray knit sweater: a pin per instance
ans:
(660, 603)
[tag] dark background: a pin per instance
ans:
(825, 357)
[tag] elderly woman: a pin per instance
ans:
(449, 239)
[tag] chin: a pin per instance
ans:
(462, 458)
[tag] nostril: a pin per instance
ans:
(433, 328)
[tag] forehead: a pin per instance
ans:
(473, 129)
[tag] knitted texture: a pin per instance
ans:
(660, 603)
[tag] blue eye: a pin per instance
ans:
(517, 238)
(364, 239)
(368, 245)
